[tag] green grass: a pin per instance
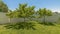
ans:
(40, 29)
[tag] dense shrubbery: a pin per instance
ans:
(22, 25)
(26, 25)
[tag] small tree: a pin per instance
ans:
(44, 12)
(25, 11)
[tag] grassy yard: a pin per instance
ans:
(40, 29)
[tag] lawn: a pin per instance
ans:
(40, 29)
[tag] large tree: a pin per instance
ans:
(24, 11)
(44, 12)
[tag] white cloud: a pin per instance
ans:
(55, 9)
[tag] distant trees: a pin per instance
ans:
(3, 7)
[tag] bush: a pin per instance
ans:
(22, 25)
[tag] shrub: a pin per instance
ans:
(22, 25)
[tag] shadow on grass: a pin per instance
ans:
(21, 25)
(48, 24)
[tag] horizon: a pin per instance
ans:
(49, 4)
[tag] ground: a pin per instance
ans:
(40, 29)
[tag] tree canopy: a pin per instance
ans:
(44, 12)
(3, 7)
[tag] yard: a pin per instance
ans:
(46, 21)
(40, 29)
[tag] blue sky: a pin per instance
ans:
(49, 4)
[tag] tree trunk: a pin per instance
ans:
(24, 19)
(44, 19)
(9, 20)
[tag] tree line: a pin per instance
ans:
(25, 11)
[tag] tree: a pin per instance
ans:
(44, 12)
(3, 7)
(24, 11)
